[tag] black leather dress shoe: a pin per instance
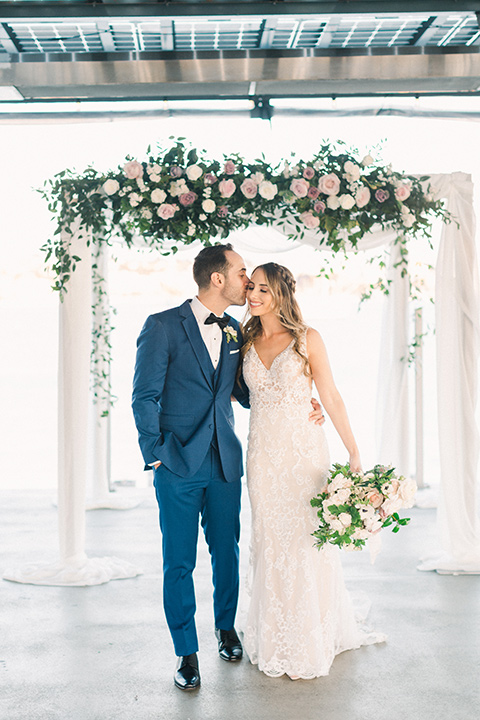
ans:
(187, 675)
(229, 645)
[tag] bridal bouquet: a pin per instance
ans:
(355, 506)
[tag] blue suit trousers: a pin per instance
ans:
(182, 501)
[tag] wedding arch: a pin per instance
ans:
(334, 201)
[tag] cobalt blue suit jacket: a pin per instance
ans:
(180, 403)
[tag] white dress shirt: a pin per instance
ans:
(211, 334)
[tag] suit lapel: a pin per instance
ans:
(199, 348)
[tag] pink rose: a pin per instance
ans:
(329, 184)
(362, 196)
(319, 207)
(299, 187)
(402, 193)
(249, 188)
(133, 169)
(176, 171)
(166, 211)
(222, 211)
(226, 188)
(309, 220)
(229, 167)
(308, 173)
(375, 498)
(209, 179)
(313, 192)
(187, 198)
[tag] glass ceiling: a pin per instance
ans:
(327, 32)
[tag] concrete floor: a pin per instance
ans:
(104, 652)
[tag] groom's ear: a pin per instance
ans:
(217, 279)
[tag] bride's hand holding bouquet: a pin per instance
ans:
(355, 506)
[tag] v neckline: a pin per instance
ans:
(276, 356)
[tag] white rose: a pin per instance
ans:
(367, 160)
(155, 178)
(191, 230)
(333, 202)
(110, 187)
(134, 199)
(335, 524)
(352, 171)
(177, 187)
(194, 172)
(408, 220)
(362, 196)
(202, 217)
(267, 189)
(347, 202)
(158, 196)
(209, 206)
(345, 519)
(407, 491)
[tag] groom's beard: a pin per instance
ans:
(234, 295)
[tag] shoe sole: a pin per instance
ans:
(187, 689)
(231, 659)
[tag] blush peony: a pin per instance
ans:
(329, 184)
(133, 169)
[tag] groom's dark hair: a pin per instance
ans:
(209, 260)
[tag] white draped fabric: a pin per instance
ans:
(457, 333)
(457, 342)
(73, 566)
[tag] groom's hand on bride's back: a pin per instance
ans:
(316, 416)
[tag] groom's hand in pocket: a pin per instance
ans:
(316, 416)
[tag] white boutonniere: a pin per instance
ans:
(231, 333)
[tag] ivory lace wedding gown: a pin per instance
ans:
(300, 614)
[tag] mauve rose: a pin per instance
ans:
(226, 188)
(313, 192)
(133, 169)
(166, 211)
(362, 196)
(329, 184)
(187, 198)
(222, 211)
(299, 187)
(319, 207)
(209, 179)
(381, 195)
(229, 167)
(402, 192)
(249, 188)
(176, 171)
(309, 220)
(308, 172)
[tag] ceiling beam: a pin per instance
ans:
(247, 8)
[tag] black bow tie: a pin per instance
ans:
(221, 321)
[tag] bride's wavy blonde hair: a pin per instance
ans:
(281, 284)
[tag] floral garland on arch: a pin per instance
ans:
(179, 195)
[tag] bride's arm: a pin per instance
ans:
(329, 395)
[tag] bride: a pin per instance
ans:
(300, 614)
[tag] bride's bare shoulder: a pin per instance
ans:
(315, 343)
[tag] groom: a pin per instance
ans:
(185, 374)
